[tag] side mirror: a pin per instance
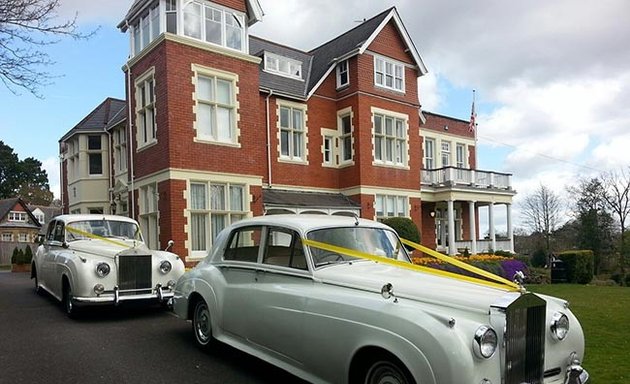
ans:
(169, 245)
(40, 238)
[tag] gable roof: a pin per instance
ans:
(7, 205)
(98, 119)
(355, 42)
(254, 11)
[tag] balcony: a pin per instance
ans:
(453, 176)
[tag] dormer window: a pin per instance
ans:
(343, 77)
(214, 25)
(283, 66)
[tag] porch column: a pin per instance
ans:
(510, 230)
(493, 239)
(473, 227)
(452, 249)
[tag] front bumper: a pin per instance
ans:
(115, 297)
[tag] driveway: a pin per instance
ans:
(39, 344)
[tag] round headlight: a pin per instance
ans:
(485, 342)
(559, 325)
(165, 267)
(102, 269)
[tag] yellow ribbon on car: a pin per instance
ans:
(495, 281)
(97, 237)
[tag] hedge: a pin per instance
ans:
(578, 265)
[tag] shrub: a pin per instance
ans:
(18, 256)
(503, 253)
(539, 258)
(578, 266)
(405, 228)
(28, 255)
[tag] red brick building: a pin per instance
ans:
(219, 125)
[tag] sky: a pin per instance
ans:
(552, 78)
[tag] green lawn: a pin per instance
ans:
(604, 313)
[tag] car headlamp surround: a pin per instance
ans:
(102, 269)
(165, 267)
(485, 342)
(559, 325)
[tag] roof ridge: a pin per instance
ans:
(280, 45)
(352, 29)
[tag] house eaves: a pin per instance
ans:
(97, 120)
(355, 42)
(254, 11)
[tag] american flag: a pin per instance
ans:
(473, 117)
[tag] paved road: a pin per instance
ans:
(39, 344)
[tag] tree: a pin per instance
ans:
(26, 27)
(25, 179)
(617, 196)
(594, 224)
(542, 213)
(8, 171)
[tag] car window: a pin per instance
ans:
(284, 248)
(50, 233)
(244, 244)
(58, 232)
(371, 241)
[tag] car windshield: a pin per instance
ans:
(93, 229)
(372, 241)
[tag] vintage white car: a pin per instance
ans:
(102, 259)
(336, 300)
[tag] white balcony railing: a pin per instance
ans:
(452, 176)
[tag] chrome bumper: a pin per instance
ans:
(158, 293)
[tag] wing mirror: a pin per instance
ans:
(169, 245)
(387, 291)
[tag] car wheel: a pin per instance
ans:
(201, 324)
(68, 301)
(386, 371)
(38, 289)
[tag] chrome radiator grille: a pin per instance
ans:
(134, 272)
(525, 340)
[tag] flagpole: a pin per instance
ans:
(473, 126)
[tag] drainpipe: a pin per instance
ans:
(110, 166)
(132, 202)
(268, 138)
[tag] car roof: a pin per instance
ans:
(94, 216)
(307, 222)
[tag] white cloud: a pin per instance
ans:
(108, 12)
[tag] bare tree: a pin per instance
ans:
(617, 197)
(26, 27)
(542, 213)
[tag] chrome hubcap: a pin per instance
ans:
(202, 323)
(385, 372)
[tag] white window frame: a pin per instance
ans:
(145, 30)
(23, 237)
(343, 74)
(429, 153)
(216, 76)
(228, 209)
(95, 152)
(328, 150)
(394, 141)
(17, 217)
(7, 237)
(170, 9)
(460, 155)
(120, 149)
(149, 215)
(225, 15)
(283, 66)
(445, 153)
(146, 131)
(386, 206)
(301, 155)
(343, 136)
(381, 73)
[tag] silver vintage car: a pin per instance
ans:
(336, 300)
(102, 259)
